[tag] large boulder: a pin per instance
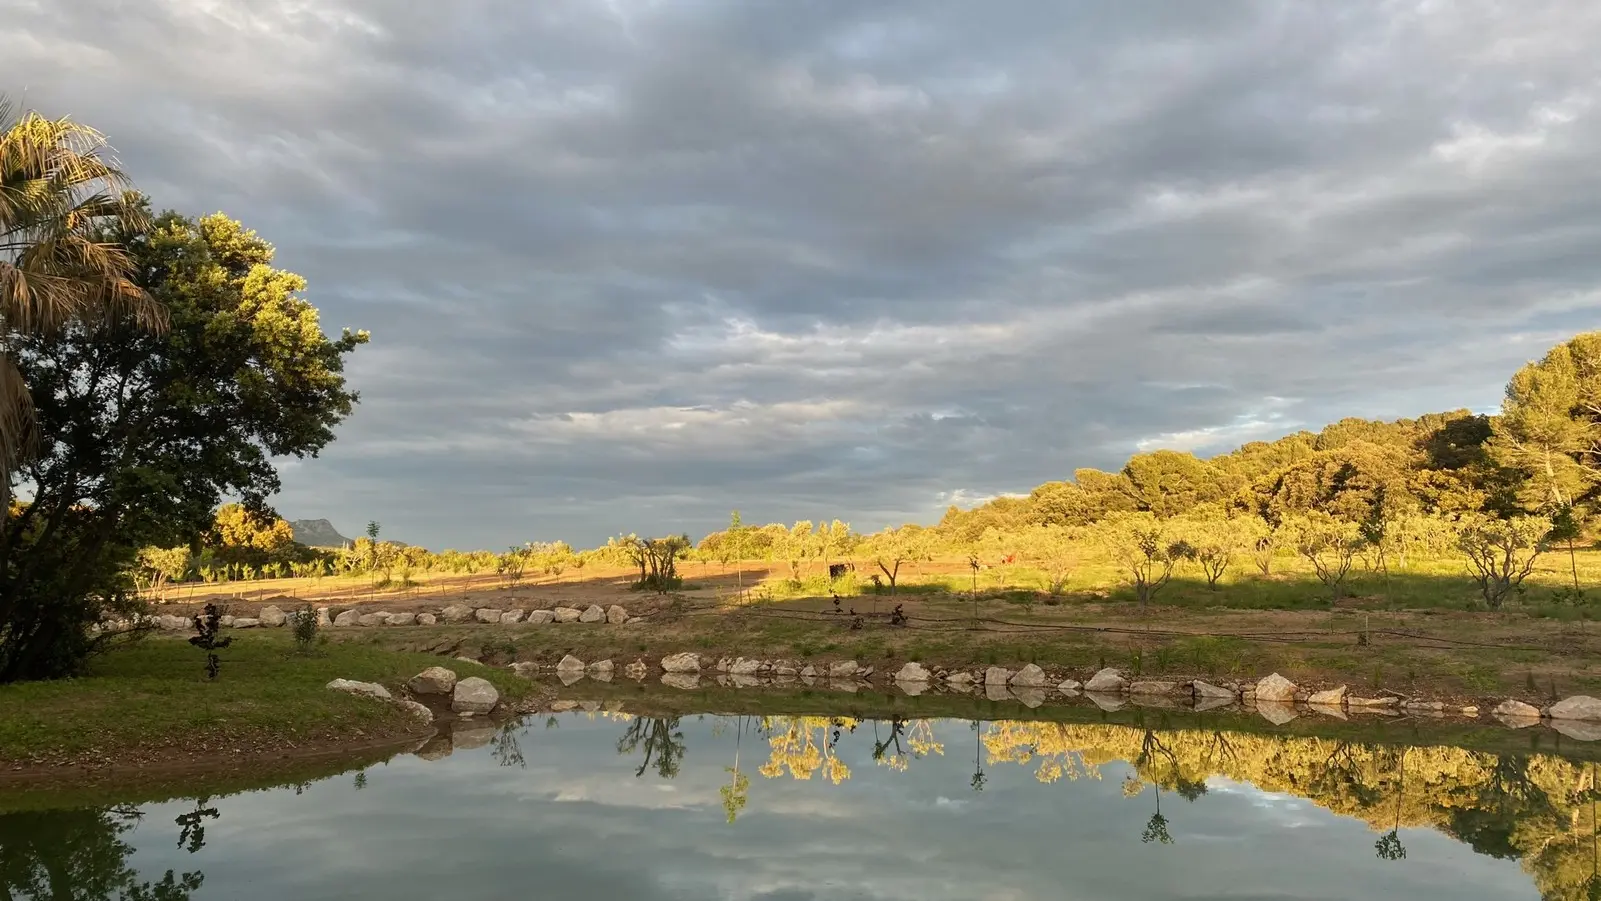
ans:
(616, 615)
(418, 711)
(570, 664)
(1512, 709)
(997, 675)
(1334, 697)
(1153, 688)
(540, 617)
(370, 689)
(245, 622)
(566, 614)
(426, 619)
(1029, 676)
(272, 615)
(681, 663)
(1106, 681)
(1578, 707)
(1208, 690)
(1276, 712)
(594, 613)
(401, 619)
(1275, 688)
(374, 619)
(435, 680)
(744, 667)
(511, 616)
(843, 669)
(912, 672)
(350, 617)
(487, 615)
(456, 613)
(474, 695)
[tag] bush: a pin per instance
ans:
(305, 626)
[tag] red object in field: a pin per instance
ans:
(1009, 558)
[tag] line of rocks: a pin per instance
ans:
(468, 697)
(273, 616)
(1276, 698)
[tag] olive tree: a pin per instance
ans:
(1329, 544)
(1501, 553)
(1054, 551)
(1147, 549)
(904, 544)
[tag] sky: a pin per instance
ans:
(631, 264)
(576, 824)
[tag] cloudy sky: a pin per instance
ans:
(629, 264)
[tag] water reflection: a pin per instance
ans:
(82, 855)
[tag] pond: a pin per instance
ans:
(607, 804)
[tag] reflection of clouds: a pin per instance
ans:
(577, 824)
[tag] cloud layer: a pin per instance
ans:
(630, 264)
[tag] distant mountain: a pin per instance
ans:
(317, 533)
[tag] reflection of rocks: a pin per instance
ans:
(1333, 710)
(600, 666)
(525, 669)
(912, 672)
(1159, 701)
(996, 691)
(1276, 712)
(1212, 692)
(1106, 700)
(636, 670)
(960, 677)
(589, 706)
(1334, 697)
(1370, 705)
(964, 686)
(1107, 681)
(685, 681)
(912, 688)
(1578, 730)
(436, 748)
(569, 676)
(743, 680)
(1211, 702)
(846, 685)
(469, 735)
(1030, 696)
(1151, 687)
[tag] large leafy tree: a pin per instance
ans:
(142, 434)
(58, 192)
(1549, 429)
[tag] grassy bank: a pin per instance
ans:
(1448, 655)
(149, 705)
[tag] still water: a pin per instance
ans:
(605, 805)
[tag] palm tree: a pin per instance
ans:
(59, 190)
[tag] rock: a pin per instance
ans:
(1203, 704)
(997, 675)
(636, 670)
(1031, 696)
(600, 666)
(1208, 690)
(743, 667)
(1379, 703)
(474, 695)
(592, 614)
(724, 664)
(525, 669)
(473, 660)
(566, 614)
(540, 617)
(245, 622)
(1470, 711)
(1423, 706)
(1070, 687)
(272, 615)
(418, 711)
(322, 617)
(570, 664)
(225, 621)
(1578, 707)
(511, 616)
(370, 689)
(616, 615)
(1029, 676)
(635, 619)
(960, 677)
(911, 688)
(456, 613)
(1276, 712)
(436, 748)
(173, 623)
(589, 706)
(435, 680)
(681, 663)
(686, 681)
(785, 669)
(1334, 697)
(808, 672)
(1152, 687)
(426, 619)
(1516, 710)
(487, 615)
(1164, 702)
(373, 619)
(912, 672)
(563, 706)
(402, 619)
(569, 676)
(1107, 681)
(1275, 688)
(742, 680)
(843, 669)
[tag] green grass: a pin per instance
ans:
(151, 699)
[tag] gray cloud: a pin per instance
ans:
(629, 264)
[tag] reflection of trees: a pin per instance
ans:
(737, 792)
(803, 745)
(80, 855)
(662, 743)
(506, 748)
(192, 825)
